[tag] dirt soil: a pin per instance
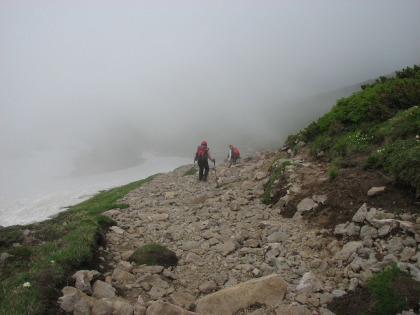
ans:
(362, 301)
(347, 192)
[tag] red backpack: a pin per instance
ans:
(201, 152)
(235, 153)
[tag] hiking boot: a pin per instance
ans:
(205, 179)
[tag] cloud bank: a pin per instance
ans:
(103, 82)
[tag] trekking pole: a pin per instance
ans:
(215, 173)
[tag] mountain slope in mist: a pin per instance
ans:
(250, 129)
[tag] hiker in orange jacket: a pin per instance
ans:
(233, 155)
(201, 156)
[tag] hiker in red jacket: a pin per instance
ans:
(201, 156)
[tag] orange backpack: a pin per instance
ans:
(235, 153)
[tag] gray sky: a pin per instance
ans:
(116, 78)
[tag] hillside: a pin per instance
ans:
(327, 224)
(224, 236)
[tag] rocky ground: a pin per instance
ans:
(321, 239)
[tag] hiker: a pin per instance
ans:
(201, 156)
(233, 155)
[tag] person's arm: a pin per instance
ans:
(229, 155)
(209, 155)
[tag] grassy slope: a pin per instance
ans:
(31, 278)
(382, 122)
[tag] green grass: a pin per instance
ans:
(332, 172)
(401, 159)
(190, 171)
(106, 201)
(334, 167)
(276, 172)
(31, 279)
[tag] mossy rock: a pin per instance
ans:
(154, 254)
(105, 221)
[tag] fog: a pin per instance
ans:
(88, 87)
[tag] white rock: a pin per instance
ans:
(361, 214)
(376, 191)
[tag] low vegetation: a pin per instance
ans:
(394, 291)
(154, 254)
(276, 173)
(380, 122)
(190, 171)
(390, 291)
(49, 252)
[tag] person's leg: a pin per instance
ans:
(206, 172)
(200, 171)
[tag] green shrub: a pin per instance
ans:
(348, 143)
(406, 124)
(390, 299)
(307, 135)
(154, 254)
(278, 171)
(311, 132)
(334, 167)
(375, 103)
(291, 140)
(348, 111)
(401, 159)
(322, 143)
(332, 172)
(393, 96)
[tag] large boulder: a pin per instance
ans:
(102, 290)
(268, 290)
(164, 308)
(347, 250)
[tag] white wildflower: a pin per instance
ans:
(26, 284)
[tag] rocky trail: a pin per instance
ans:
(237, 255)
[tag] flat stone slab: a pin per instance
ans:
(268, 290)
